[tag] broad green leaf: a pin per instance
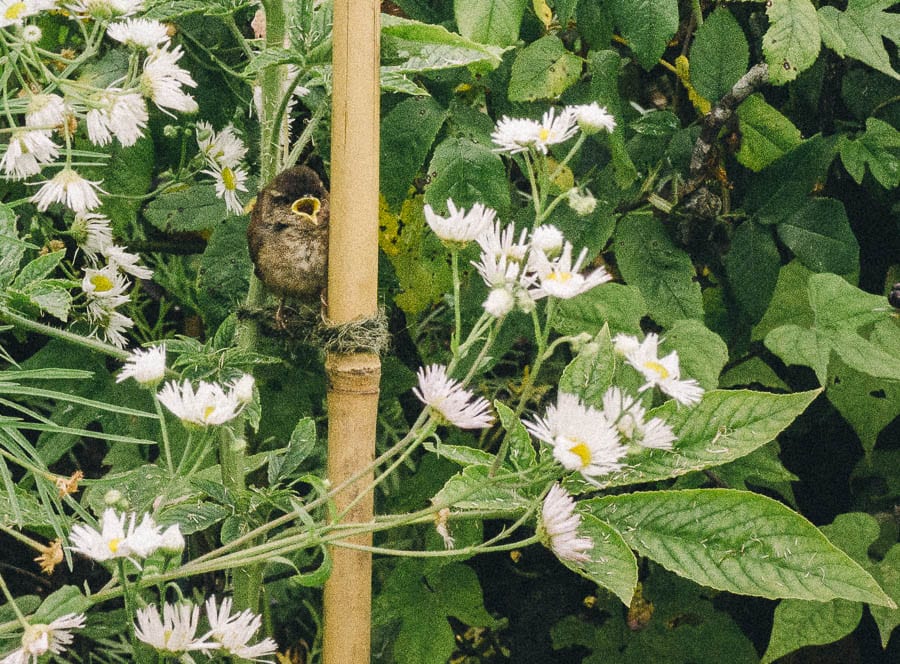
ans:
(701, 352)
(766, 134)
(472, 489)
(887, 572)
(780, 189)
(753, 370)
(663, 273)
(879, 149)
(605, 67)
(407, 133)
(299, 447)
(859, 31)
(792, 42)
(11, 247)
(194, 208)
(720, 55)
(489, 21)
(647, 26)
(616, 305)
(594, 24)
(790, 302)
(760, 468)
(167, 10)
(725, 425)
(543, 70)
(462, 454)
(819, 234)
(800, 623)
(194, 516)
(224, 270)
(37, 269)
(801, 346)
(467, 172)
(590, 374)
(521, 451)
(51, 296)
(612, 565)
(64, 601)
(737, 541)
(752, 265)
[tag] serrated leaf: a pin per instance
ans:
(720, 55)
(470, 489)
(701, 352)
(590, 374)
(51, 296)
(725, 425)
(647, 26)
(489, 21)
(224, 270)
(195, 208)
(612, 565)
(37, 269)
(739, 542)
(521, 450)
(663, 273)
(167, 10)
(800, 623)
(467, 172)
(766, 134)
(407, 133)
(858, 32)
(11, 247)
(412, 47)
(461, 454)
(67, 599)
(792, 41)
(752, 265)
(619, 306)
(819, 234)
(790, 302)
(195, 516)
(299, 447)
(879, 149)
(605, 67)
(543, 70)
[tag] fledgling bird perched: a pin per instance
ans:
(288, 234)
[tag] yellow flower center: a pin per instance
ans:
(561, 277)
(544, 134)
(228, 178)
(657, 368)
(114, 544)
(102, 283)
(208, 411)
(14, 11)
(582, 452)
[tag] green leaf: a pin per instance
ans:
(879, 149)
(521, 450)
(752, 265)
(887, 572)
(725, 425)
(750, 371)
(594, 24)
(701, 352)
(720, 55)
(590, 374)
(612, 565)
(779, 190)
(467, 172)
(663, 273)
(407, 134)
(543, 70)
(67, 599)
(37, 269)
(800, 623)
(859, 32)
(792, 42)
(51, 296)
(766, 134)
(224, 271)
(299, 447)
(619, 306)
(605, 67)
(167, 10)
(471, 489)
(464, 455)
(647, 26)
(489, 21)
(194, 208)
(790, 302)
(11, 247)
(195, 516)
(739, 542)
(819, 234)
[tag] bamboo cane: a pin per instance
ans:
(352, 295)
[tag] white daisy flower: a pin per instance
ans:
(147, 367)
(228, 182)
(113, 539)
(460, 226)
(40, 639)
(31, 34)
(162, 79)
(559, 527)
(560, 278)
(126, 262)
(220, 149)
(209, 405)
(46, 111)
(139, 33)
(514, 135)
(547, 239)
(627, 415)
(105, 9)
(582, 438)
(173, 634)
(582, 203)
(26, 152)
(232, 633)
(13, 12)
(555, 129)
(106, 287)
(498, 242)
(592, 118)
(171, 541)
(450, 400)
(92, 232)
(661, 372)
(120, 114)
(114, 324)
(69, 188)
(500, 301)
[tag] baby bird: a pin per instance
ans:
(288, 234)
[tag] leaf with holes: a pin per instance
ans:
(792, 42)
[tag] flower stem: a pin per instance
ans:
(164, 430)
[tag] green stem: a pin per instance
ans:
(12, 602)
(164, 429)
(63, 335)
(457, 314)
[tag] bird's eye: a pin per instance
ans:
(307, 206)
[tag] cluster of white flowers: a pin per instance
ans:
(223, 151)
(122, 536)
(175, 632)
(211, 404)
(514, 135)
(661, 372)
(450, 400)
(41, 639)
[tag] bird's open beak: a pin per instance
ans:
(308, 208)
